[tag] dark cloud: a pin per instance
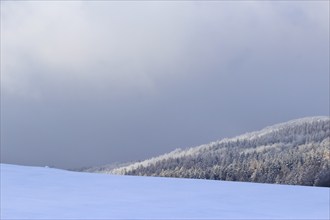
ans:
(86, 83)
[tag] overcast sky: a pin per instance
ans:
(89, 83)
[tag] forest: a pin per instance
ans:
(295, 153)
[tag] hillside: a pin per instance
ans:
(46, 193)
(296, 152)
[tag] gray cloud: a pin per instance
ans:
(87, 83)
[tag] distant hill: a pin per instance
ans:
(296, 152)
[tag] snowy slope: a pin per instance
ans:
(296, 123)
(295, 152)
(251, 136)
(45, 193)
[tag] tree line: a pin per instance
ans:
(293, 153)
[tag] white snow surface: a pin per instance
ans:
(46, 193)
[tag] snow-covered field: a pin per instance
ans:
(45, 193)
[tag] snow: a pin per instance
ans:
(178, 153)
(277, 127)
(47, 193)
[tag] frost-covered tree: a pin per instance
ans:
(296, 152)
